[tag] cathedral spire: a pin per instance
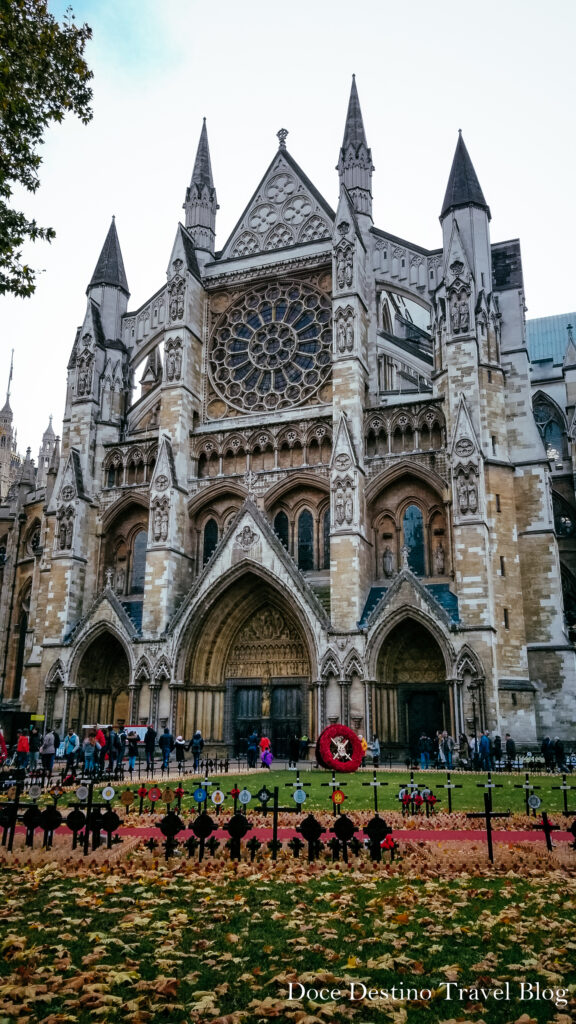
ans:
(110, 267)
(200, 204)
(355, 162)
(463, 186)
(7, 408)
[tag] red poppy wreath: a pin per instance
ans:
(339, 749)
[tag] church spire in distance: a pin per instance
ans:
(200, 204)
(463, 187)
(7, 408)
(355, 162)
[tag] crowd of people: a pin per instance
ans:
(102, 749)
(105, 748)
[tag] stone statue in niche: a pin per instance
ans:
(405, 552)
(170, 364)
(157, 523)
(120, 580)
(472, 496)
(177, 362)
(341, 335)
(388, 561)
(349, 505)
(439, 560)
(339, 502)
(350, 334)
(62, 535)
(176, 306)
(341, 268)
(462, 488)
(463, 315)
(164, 525)
(348, 268)
(455, 316)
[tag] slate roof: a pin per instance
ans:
(354, 134)
(110, 266)
(463, 186)
(547, 337)
(202, 173)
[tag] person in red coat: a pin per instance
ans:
(22, 749)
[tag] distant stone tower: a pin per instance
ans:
(10, 461)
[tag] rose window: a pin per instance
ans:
(272, 350)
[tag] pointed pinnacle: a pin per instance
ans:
(202, 173)
(354, 134)
(463, 187)
(110, 266)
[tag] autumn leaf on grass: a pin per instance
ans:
(451, 971)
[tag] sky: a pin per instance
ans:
(503, 72)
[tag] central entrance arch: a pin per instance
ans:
(248, 667)
(102, 679)
(414, 693)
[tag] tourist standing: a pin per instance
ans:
(424, 749)
(484, 751)
(132, 740)
(22, 749)
(91, 750)
(35, 744)
(166, 744)
(149, 747)
(375, 751)
(293, 750)
(196, 745)
(71, 746)
(180, 749)
(510, 748)
(252, 751)
(48, 749)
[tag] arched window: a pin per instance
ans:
(305, 541)
(139, 562)
(413, 524)
(326, 538)
(552, 429)
(282, 528)
(210, 539)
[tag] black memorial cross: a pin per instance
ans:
(449, 786)
(375, 783)
(547, 828)
(488, 814)
(565, 790)
(489, 786)
(528, 788)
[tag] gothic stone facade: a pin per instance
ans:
(302, 484)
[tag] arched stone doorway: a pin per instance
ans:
(247, 669)
(413, 693)
(101, 693)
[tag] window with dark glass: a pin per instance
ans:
(210, 539)
(414, 539)
(305, 541)
(282, 528)
(551, 427)
(326, 522)
(139, 562)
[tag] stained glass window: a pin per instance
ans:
(139, 562)
(281, 527)
(305, 541)
(210, 539)
(414, 539)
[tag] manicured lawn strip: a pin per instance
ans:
(196, 945)
(360, 797)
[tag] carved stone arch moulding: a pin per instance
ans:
(353, 666)
(142, 673)
(162, 670)
(330, 666)
(56, 676)
(468, 666)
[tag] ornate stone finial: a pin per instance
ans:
(405, 551)
(281, 136)
(109, 578)
(570, 329)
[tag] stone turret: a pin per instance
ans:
(108, 286)
(355, 162)
(201, 204)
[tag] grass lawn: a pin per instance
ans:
(146, 943)
(359, 796)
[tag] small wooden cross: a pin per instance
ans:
(488, 814)
(547, 828)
